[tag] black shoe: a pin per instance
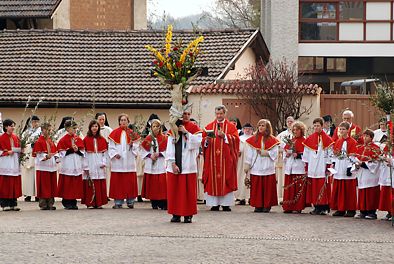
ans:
(187, 219)
(360, 216)
(226, 208)
(258, 210)
(350, 214)
(339, 213)
(52, 208)
(28, 199)
(13, 208)
(387, 217)
(371, 216)
(242, 202)
(287, 212)
(215, 208)
(36, 199)
(266, 210)
(130, 206)
(45, 208)
(117, 206)
(163, 208)
(74, 207)
(155, 207)
(175, 219)
(139, 199)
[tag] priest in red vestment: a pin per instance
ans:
(221, 147)
(10, 173)
(354, 130)
(181, 156)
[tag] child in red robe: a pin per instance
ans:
(71, 151)
(317, 152)
(95, 168)
(46, 158)
(294, 194)
(344, 189)
(260, 155)
(10, 173)
(368, 180)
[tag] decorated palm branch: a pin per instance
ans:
(174, 65)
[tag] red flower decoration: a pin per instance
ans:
(161, 64)
(178, 64)
(175, 48)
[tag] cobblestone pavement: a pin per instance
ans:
(143, 235)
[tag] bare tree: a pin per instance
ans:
(238, 13)
(274, 92)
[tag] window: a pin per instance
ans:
(351, 10)
(310, 64)
(336, 64)
(318, 10)
(318, 31)
(346, 21)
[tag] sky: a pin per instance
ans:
(179, 8)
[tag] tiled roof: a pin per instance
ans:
(27, 8)
(111, 67)
(235, 88)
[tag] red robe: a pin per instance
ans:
(154, 186)
(354, 131)
(65, 142)
(294, 194)
(116, 134)
(102, 145)
(10, 186)
(220, 159)
(46, 181)
(344, 191)
(181, 188)
(316, 185)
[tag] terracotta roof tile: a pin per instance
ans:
(234, 88)
(110, 66)
(27, 8)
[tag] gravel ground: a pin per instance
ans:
(143, 235)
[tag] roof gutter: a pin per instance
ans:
(22, 104)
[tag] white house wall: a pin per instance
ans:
(247, 59)
(61, 16)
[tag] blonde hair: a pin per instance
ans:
(301, 126)
(268, 127)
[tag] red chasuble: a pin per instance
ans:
(43, 145)
(220, 159)
(161, 141)
(351, 147)
(368, 152)
(354, 132)
(259, 141)
(312, 142)
(102, 145)
(65, 142)
(5, 143)
(116, 135)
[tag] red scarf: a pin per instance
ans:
(351, 147)
(116, 135)
(259, 141)
(313, 140)
(65, 142)
(43, 145)
(298, 144)
(5, 142)
(161, 141)
(190, 127)
(102, 145)
(368, 152)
